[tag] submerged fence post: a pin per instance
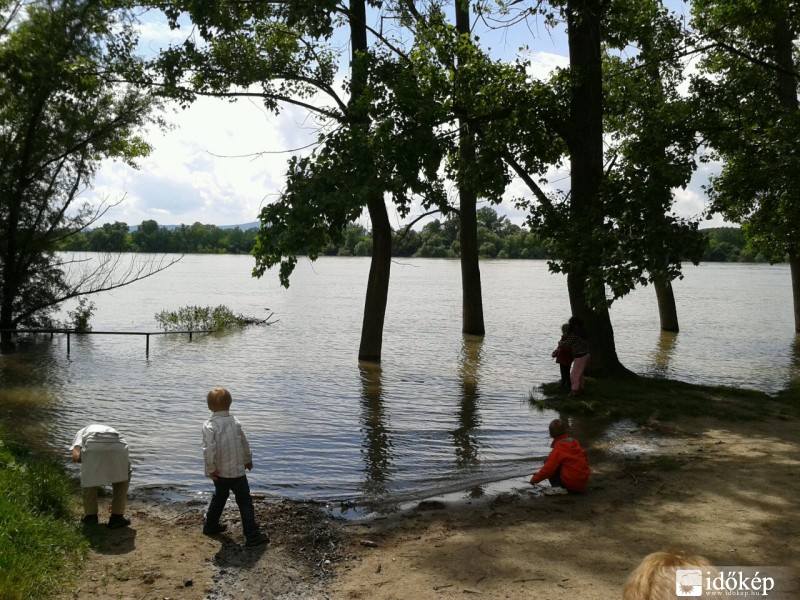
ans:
(147, 345)
(68, 342)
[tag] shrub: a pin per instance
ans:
(204, 318)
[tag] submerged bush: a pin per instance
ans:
(204, 318)
(79, 318)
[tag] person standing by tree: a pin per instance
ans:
(563, 356)
(578, 340)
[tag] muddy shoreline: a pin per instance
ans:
(725, 490)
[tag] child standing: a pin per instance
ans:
(226, 452)
(578, 339)
(563, 356)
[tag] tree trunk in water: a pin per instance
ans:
(380, 266)
(378, 283)
(586, 160)
(471, 293)
(794, 266)
(667, 312)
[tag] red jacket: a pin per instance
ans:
(566, 453)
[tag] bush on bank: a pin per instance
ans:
(39, 538)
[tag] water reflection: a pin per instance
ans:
(662, 355)
(468, 416)
(376, 445)
(27, 394)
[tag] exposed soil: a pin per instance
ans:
(725, 490)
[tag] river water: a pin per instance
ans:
(441, 413)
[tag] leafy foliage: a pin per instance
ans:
(62, 111)
(204, 318)
(748, 90)
(81, 315)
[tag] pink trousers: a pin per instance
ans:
(578, 369)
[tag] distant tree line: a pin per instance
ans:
(497, 238)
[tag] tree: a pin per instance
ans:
(284, 54)
(653, 149)
(748, 86)
(472, 295)
(62, 110)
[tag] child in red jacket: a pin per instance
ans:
(566, 467)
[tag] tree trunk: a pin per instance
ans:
(667, 312)
(602, 348)
(794, 266)
(9, 285)
(378, 283)
(471, 292)
(586, 159)
(380, 266)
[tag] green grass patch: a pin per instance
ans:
(643, 399)
(39, 541)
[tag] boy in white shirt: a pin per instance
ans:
(226, 452)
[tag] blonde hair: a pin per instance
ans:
(654, 578)
(219, 399)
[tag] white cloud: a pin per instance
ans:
(544, 64)
(219, 164)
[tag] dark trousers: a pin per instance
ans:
(555, 480)
(223, 486)
(565, 379)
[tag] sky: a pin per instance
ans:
(222, 161)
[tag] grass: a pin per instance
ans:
(39, 538)
(644, 399)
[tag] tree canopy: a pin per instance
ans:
(62, 111)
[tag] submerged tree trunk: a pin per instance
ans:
(471, 292)
(586, 160)
(794, 266)
(667, 311)
(381, 262)
(378, 283)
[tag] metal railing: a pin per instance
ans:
(71, 332)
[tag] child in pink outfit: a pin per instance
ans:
(563, 356)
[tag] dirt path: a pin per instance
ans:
(728, 491)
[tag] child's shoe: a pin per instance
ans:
(118, 521)
(262, 538)
(555, 491)
(214, 529)
(89, 520)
